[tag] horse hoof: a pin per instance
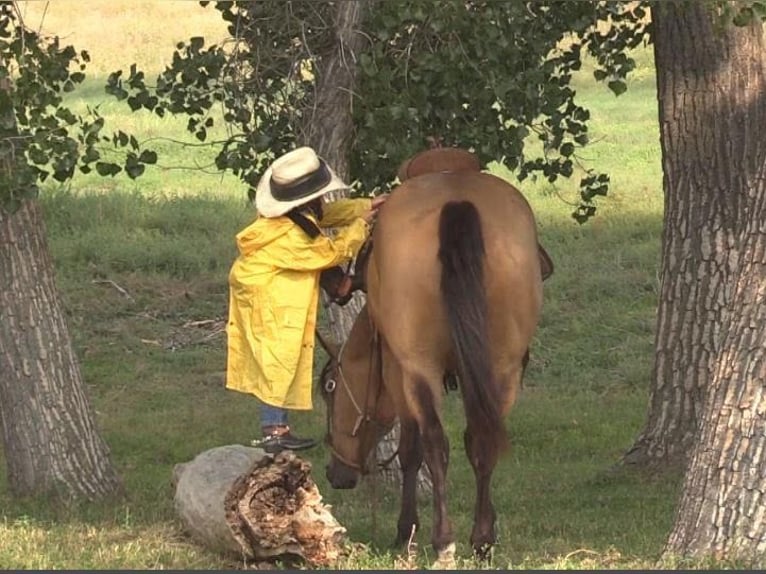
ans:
(405, 537)
(445, 558)
(483, 553)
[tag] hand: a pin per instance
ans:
(379, 200)
(369, 216)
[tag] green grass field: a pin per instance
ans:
(154, 363)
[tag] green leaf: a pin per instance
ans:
(91, 155)
(148, 156)
(618, 87)
(134, 170)
(196, 43)
(104, 168)
(743, 17)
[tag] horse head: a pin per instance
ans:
(358, 415)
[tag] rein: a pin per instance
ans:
(363, 415)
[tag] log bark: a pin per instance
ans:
(243, 503)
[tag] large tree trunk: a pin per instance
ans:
(330, 131)
(51, 442)
(50, 438)
(712, 91)
(701, 170)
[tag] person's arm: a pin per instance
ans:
(344, 211)
(299, 252)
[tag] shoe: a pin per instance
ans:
(276, 443)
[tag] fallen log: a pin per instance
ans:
(244, 503)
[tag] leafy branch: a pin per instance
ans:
(39, 136)
(489, 76)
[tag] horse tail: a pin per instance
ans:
(462, 254)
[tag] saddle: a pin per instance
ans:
(438, 160)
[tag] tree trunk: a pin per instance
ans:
(712, 91)
(701, 169)
(330, 132)
(51, 441)
(722, 511)
(329, 129)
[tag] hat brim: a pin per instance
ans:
(268, 206)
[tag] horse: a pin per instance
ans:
(454, 286)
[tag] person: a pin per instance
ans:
(274, 287)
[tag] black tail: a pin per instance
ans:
(461, 252)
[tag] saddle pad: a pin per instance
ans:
(440, 159)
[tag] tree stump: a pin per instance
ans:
(246, 504)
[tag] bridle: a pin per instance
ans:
(365, 414)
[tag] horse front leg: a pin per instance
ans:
(410, 460)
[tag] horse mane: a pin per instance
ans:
(461, 252)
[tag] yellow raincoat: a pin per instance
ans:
(273, 299)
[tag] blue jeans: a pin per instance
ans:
(273, 416)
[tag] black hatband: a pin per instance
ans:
(302, 187)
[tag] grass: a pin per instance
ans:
(154, 361)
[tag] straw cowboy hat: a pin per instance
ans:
(292, 180)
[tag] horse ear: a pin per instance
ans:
(546, 264)
(331, 347)
(402, 172)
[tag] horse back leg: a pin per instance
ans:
(410, 460)
(483, 458)
(483, 461)
(423, 398)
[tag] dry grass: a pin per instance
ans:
(118, 33)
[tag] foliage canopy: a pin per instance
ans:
(494, 77)
(489, 76)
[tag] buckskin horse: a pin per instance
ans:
(454, 285)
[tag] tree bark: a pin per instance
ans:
(49, 434)
(50, 438)
(701, 168)
(712, 92)
(330, 132)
